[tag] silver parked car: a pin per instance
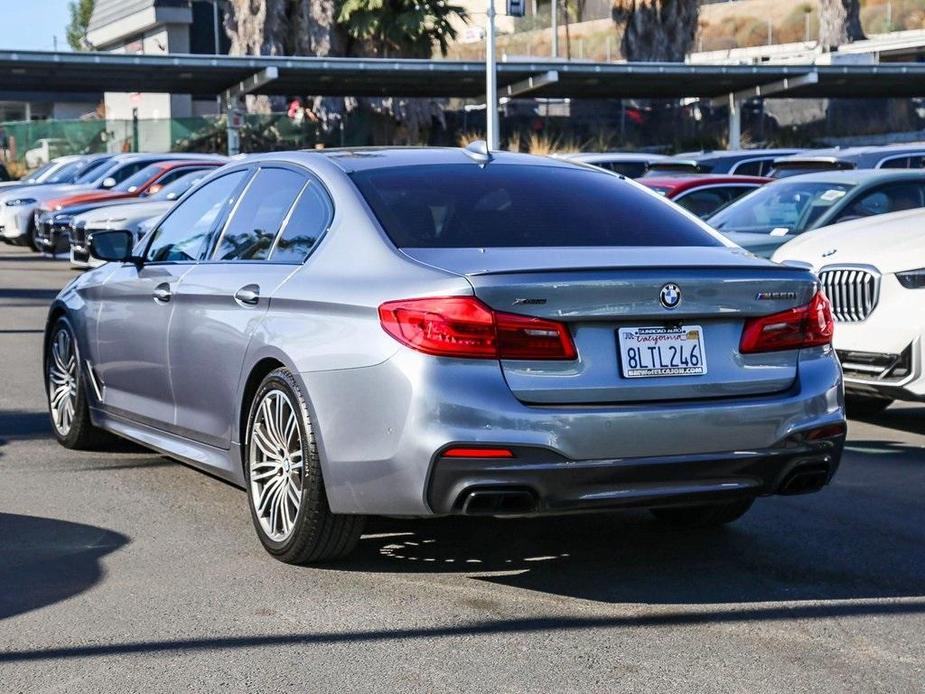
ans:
(426, 332)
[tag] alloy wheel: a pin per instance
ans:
(62, 381)
(276, 465)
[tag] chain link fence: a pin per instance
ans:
(25, 145)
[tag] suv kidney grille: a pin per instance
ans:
(852, 291)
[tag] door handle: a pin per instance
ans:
(162, 293)
(249, 294)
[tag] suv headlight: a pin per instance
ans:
(20, 202)
(912, 279)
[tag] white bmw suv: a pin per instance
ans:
(873, 270)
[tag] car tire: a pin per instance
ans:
(66, 390)
(860, 406)
(31, 241)
(704, 516)
(281, 467)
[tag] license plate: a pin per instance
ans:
(659, 351)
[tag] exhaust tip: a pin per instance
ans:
(498, 502)
(805, 479)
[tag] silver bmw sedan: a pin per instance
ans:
(428, 332)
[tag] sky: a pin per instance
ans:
(32, 24)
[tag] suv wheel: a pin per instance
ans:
(286, 494)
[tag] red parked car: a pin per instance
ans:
(703, 194)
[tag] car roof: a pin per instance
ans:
(695, 180)
(169, 164)
(353, 159)
(856, 176)
(706, 155)
(851, 153)
(155, 157)
(592, 157)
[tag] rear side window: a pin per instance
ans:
(498, 205)
(252, 228)
(753, 167)
(310, 217)
(630, 169)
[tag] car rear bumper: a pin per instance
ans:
(380, 428)
(541, 482)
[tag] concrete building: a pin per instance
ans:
(156, 27)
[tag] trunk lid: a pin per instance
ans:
(598, 291)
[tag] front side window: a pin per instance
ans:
(116, 171)
(140, 178)
(184, 234)
(507, 205)
(250, 232)
(176, 188)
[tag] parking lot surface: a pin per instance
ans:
(123, 571)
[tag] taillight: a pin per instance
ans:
(461, 326)
(477, 453)
(805, 326)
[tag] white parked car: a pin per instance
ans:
(873, 270)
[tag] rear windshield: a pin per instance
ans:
(498, 205)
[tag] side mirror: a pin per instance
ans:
(112, 245)
(109, 182)
(155, 188)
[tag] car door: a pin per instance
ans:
(136, 307)
(221, 302)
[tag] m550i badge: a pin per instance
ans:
(776, 296)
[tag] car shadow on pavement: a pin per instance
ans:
(46, 560)
(12, 293)
(23, 424)
(909, 419)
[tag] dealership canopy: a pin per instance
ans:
(208, 75)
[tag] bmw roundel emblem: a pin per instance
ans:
(670, 296)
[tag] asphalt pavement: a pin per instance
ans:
(123, 571)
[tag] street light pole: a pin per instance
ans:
(491, 82)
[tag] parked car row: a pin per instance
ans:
(771, 163)
(72, 198)
(91, 179)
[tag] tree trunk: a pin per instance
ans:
(284, 27)
(656, 30)
(839, 22)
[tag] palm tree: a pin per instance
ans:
(398, 28)
(656, 30)
(839, 22)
